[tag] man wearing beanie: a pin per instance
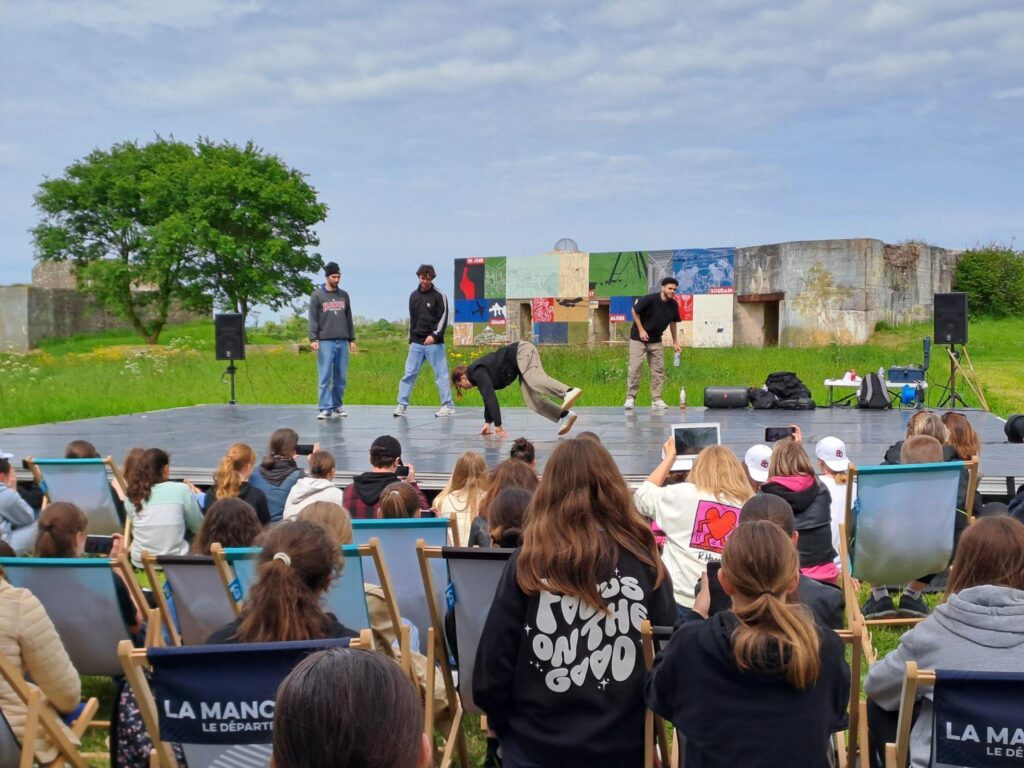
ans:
(332, 336)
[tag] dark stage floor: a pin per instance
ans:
(197, 436)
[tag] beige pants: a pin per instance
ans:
(534, 383)
(654, 352)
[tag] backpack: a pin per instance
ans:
(873, 393)
(796, 404)
(762, 399)
(786, 386)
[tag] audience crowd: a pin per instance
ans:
(740, 557)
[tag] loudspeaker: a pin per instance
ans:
(950, 318)
(229, 333)
(725, 397)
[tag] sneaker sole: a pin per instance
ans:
(910, 614)
(568, 425)
(567, 404)
(881, 615)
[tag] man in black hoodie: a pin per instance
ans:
(428, 319)
(362, 497)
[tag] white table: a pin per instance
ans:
(895, 388)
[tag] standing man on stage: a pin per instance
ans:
(428, 318)
(332, 336)
(518, 360)
(652, 314)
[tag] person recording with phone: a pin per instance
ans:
(362, 497)
(278, 472)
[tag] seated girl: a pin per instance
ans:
(161, 511)
(229, 522)
(231, 480)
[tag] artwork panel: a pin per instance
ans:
(543, 310)
(620, 308)
(550, 333)
(467, 311)
(575, 310)
(712, 320)
(618, 273)
(494, 276)
(659, 266)
(486, 334)
(463, 334)
(579, 333)
(685, 303)
(704, 270)
(469, 279)
(685, 332)
(497, 312)
(531, 277)
(573, 275)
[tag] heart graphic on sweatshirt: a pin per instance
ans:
(720, 524)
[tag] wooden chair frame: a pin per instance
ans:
(135, 661)
(38, 716)
(655, 734)
(898, 753)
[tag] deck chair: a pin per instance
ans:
(900, 527)
(473, 574)
(191, 599)
(346, 597)
(230, 690)
(38, 718)
(398, 539)
(654, 640)
(990, 704)
(851, 744)
(83, 482)
(80, 598)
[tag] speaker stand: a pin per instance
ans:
(230, 372)
(952, 396)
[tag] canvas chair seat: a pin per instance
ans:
(86, 484)
(192, 601)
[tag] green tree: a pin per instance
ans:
(993, 277)
(254, 219)
(122, 217)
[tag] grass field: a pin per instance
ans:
(113, 374)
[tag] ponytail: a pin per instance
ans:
(58, 525)
(761, 563)
(226, 483)
(282, 445)
(398, 500)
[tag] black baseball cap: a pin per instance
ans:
(387, 447)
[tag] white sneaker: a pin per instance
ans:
(571, 397)
(399, 410)
(658, 404)
(565, 423)
(630, 403)
(339, 411)
(324, 415)
(445, 410)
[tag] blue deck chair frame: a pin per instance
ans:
(190, 598)
(85, 483)
(214, 676)
(80, 598)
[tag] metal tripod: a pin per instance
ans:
(952, 396)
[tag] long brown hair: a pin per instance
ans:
(719, 472)
(990, 551)
(469, 475)
(398, 499)
(59, 523)
(147, 472)
(226, 482)
(332, 517)
(296, 564)
(510, 473)
(927, 423)
(281, 445)
(789, 459)
(762, 564)
(962, 436)
(581, 516)
(230, 522)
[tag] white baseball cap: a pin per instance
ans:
(5, 455)
(832, 451)
(757, 459)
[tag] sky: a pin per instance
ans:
(441, 130)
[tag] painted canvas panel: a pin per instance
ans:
(712, 320)
(685, 303)
(496, 311)
(704, 270)
(543, 310)
(469, 279)
(471, 311)
(463, 334)
(484, 333)
(620, 309)
(618, 273)
(573, 275)
(494, 276)
(550, 333)
(531, 276)
(575, 310)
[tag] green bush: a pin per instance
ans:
(993, 278)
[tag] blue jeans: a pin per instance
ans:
(433, 354)
(332, 372)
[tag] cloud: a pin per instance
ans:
(130, 16)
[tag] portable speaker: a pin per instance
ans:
(229, 333)
(950, 318)
(725, 397)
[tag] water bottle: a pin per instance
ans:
(676, 360)
(682, 397)
(920, 395)
(881, 373)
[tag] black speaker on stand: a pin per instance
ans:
(951, 329)
(229, 341)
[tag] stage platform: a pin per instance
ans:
(197, 436)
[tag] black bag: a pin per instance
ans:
(1014, 428)
(762, 399)
(873, 393)
(786, 385)
(796, 404)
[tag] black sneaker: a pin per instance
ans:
(493, 757)
(913, 607)
(878, 608)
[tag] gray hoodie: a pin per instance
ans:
(307, 490)
(979, 629)
(330, 315)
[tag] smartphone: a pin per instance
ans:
(402, 470)
(304, 449)
(774, 434)
(98, 545)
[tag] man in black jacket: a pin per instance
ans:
(518, 360)
(428, 318)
